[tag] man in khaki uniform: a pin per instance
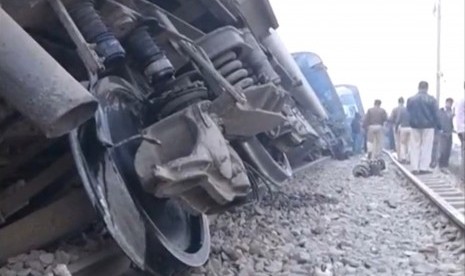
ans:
(373, 123)
(403, 127)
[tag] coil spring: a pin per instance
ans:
(232, 69)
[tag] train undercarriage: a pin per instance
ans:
(172, 110)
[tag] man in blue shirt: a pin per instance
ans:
(446, 115)
(423, 116)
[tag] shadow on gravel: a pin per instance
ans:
(280, 201)
(283, 201)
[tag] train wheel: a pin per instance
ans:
(158, 235)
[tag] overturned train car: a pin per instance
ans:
(333, 129)
(351, 102)
(174, 110)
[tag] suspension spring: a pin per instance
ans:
(94, 31)
(233, 70)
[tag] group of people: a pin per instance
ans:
(423, 132)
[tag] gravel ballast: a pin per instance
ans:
(324, 222)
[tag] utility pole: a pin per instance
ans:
(438, 51)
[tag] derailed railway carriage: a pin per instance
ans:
(173, 110)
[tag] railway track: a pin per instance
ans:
(448, 198)
(110, 260)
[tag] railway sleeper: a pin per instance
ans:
(67, 215)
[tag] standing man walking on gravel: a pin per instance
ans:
(402, 124)
(373, 124)
(446, 115)
(423, 111)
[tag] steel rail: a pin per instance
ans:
(445, 196)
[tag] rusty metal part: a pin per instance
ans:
(381, 164)
(35, 84)
(85, 50)
(368, 167)
(191, 157)
(71, 213)
(361, 170)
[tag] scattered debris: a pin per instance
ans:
(368, 168)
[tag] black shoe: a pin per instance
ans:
(415, 172)
(425, 172)
(444, 170)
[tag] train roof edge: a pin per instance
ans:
(351, 89)
(315, 58)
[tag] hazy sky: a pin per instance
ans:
(385, 47)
